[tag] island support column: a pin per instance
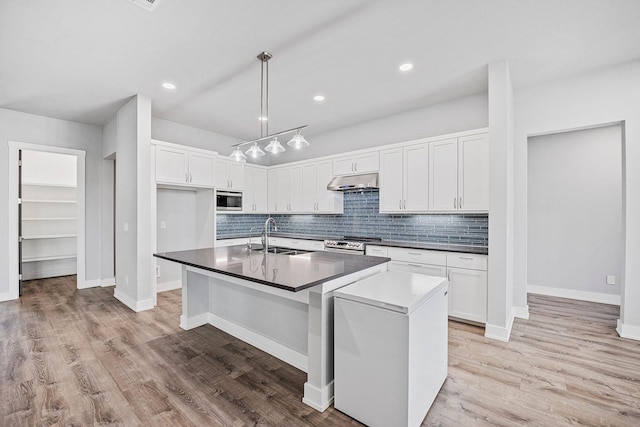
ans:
(318, 390)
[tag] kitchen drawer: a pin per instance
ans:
(426, 269)
(417, 256)
(377, 251)
(473, 262)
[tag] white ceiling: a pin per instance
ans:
(81, 60)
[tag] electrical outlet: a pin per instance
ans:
(611, 279)
(163, 225)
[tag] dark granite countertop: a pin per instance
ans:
(289, 272)
(467, 249)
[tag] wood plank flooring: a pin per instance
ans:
(80, 357)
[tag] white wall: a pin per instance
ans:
(448, 117)
(177, 133)
(39, 167)
(500, 309)
(575, 212)
(605, 96)
(29, 128)
(134, 266)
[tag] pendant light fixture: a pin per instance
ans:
(274, 146)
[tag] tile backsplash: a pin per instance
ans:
(361, 218)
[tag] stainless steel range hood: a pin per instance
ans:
(354, 182)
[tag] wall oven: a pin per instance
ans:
(228, 201)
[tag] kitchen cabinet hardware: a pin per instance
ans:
(190, 177)
(415, 265)
(466, 257)
(415, 253)
(400, 204)
(404, 204)
(460, 203)
(186, 177)
(449, 275)
(455, 206)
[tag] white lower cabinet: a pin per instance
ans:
(467, 275)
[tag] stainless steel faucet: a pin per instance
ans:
(250, 235)
(265, 233)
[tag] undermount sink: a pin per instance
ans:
(285, 251)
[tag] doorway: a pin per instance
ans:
(574, 209)
(53, 206)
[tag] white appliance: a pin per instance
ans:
(390, 348)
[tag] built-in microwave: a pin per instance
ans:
(228, 201)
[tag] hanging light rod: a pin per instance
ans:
(274, 147)
(240, 144)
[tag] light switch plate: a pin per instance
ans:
(611, 279)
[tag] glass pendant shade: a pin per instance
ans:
(255, 151)
(298, 141)
(274, 146)
(237, 155)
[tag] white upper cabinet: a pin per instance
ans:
(285, 189)
(443, 174)
(404, 179)
(459, 174)
(358, 163)
(180, 165)
(315, 196)
(254, 198)
(229, 174)
(473, 173)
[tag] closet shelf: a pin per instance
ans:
(48, 258)
(47, 201)
(49, 236)
(70, 218)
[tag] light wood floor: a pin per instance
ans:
(70, 357)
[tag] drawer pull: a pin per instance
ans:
(465, 257)
(415, 265)
(415, 253)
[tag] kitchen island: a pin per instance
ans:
(279, 302)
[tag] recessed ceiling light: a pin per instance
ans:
(406, 67)
(262, 119)
(318, 98)
(168, 86)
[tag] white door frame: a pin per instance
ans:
(12, 226)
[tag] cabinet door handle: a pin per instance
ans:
(455, 199)
(356, 166)
(465, 257)
(275, 208)
(449, 275)
(400, 204)
(353, 167)
(404, 204)
(186, 177)
(190, 177)
(414, 253)
(415, 265)
(460, 203)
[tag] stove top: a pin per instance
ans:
(351, 243)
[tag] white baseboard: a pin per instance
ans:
(500, 333)
(110, 281)
(521, 312)
(169, 286)
(318, 399)
(278, 350)
(6, 296)
(133, 304)
(187, 323)
(94, 283)
(573, 294)
(628, 331)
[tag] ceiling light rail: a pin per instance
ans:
(274, 146)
